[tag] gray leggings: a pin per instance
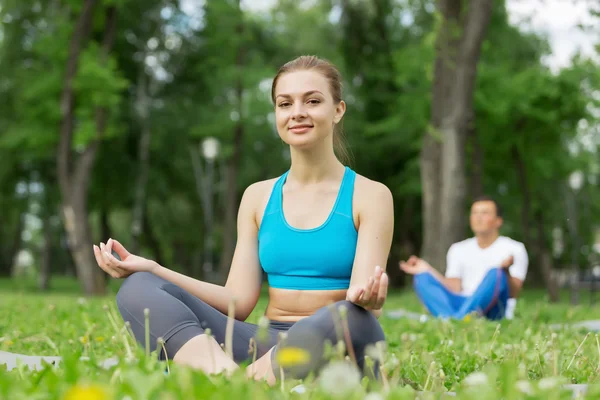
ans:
(177, 316)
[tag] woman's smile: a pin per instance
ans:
(300, 128)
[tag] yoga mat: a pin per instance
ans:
(35, 362)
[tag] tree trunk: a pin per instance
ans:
(544, 258)
(46, 254)
(143, 109)
(153, 241)
(11, 246)
(74, 181)
(443, 153)
(229, 231)
(477, 172)
(525, 192)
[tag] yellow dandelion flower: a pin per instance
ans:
(86, 392)
(99, 339)
(467, 318)
(9, 342)
(83, 339)
(292, 356)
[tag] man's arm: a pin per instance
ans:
(452, 284)
(415, 265)
(453, 278)
(515, 268)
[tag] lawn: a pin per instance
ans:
(522, 358)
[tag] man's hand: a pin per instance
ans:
(415, 265)
(373, 294)
(507, 262)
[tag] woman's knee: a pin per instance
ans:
(135, 286)
(363, 326)
(343, 319)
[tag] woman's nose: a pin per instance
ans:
(298, 111)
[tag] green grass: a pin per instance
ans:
(434, 356)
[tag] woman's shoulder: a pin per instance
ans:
(372, 192)
(257, 191)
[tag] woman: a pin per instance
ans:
(319, 231)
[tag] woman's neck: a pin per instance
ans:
(315, 165)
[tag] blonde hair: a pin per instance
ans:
(331, 73)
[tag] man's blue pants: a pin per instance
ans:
(488, 300)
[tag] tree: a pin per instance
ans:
(74, 174)
(442, 159)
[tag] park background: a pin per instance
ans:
(144, 121)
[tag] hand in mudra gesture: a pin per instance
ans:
(415, 265)
(128, 263)
(372, 295)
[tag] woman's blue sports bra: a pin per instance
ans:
(320, 258)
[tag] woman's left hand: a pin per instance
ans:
(372, 295)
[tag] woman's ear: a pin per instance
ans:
(340, 110)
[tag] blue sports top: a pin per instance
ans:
(320, 258)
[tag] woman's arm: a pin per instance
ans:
(244, 279)
(375, 208)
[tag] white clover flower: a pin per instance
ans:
(476, 379)
(374, 396)
(338, 378)
(548, 383)
(524, 387)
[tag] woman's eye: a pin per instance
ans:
(284, 104)
(314, 101)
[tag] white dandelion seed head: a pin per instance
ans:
(548, 383)
(338, 378)
(524, 387)
(374, 396)
(263, 322)
(476, 379)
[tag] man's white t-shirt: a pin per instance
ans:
(469, 262)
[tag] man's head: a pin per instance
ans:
(486, 216)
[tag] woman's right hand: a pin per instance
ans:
(128, 264)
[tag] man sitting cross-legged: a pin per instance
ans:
(484, 273)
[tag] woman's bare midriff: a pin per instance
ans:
(293, 305)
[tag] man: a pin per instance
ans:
(482, 273)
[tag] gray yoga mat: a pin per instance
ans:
(592, 325)
(402, 313)
(36, 362)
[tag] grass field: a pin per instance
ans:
(479, 359)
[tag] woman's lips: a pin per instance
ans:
(300, 128)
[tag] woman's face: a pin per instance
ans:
(305, 111)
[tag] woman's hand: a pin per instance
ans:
(415, 265)
(372, 295)
(128, 264)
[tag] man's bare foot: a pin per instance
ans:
(507, 262)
